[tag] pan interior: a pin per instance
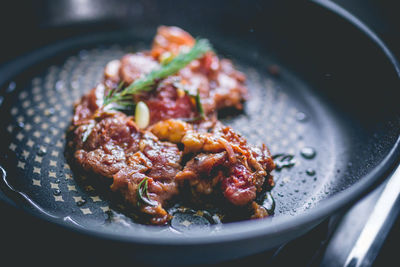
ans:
(282, 112)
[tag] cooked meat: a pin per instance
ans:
(165, 102)
(158, 162)
(179, 149)
(133, 66)
(240, 168)
(216, 80)
(170, 40)
(117, 149)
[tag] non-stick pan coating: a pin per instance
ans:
(295, 106)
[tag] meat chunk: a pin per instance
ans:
(184, 145)
(134, 66)
(88, 105)
(165, 158)
(165, 102)
(240, 168)
(170, 40)
(217, 81)
(161, 185)
(203, 165)
(117, 149)
(239, 187)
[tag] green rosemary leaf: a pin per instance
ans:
(177, 63)
(195, 119)
(199, 106)
(143, 194)
(123, 107)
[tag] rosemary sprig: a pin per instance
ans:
(143, 194)
(123, 103)
(147, 83)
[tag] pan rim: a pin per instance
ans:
(283, 224)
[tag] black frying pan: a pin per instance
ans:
(319, 81)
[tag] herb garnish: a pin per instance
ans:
(124, 97)
(199, 106)
(123, 103)
(143, 194)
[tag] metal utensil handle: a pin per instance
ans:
(377, 226)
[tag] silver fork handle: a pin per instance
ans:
(362, 230)
(377, 226)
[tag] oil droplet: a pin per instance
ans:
(301, 116)
(81, 203)
(310, 172)
(269, 203)
(42, 151)
(283, 161)
(58, 181)
(57, 192)
(20, 125)
(308, 152)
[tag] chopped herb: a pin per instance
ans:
(197, 118)
(199, 106)
(147, 83)
(143, 194)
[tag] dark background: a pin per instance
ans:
(382, 16)
(27, 25)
